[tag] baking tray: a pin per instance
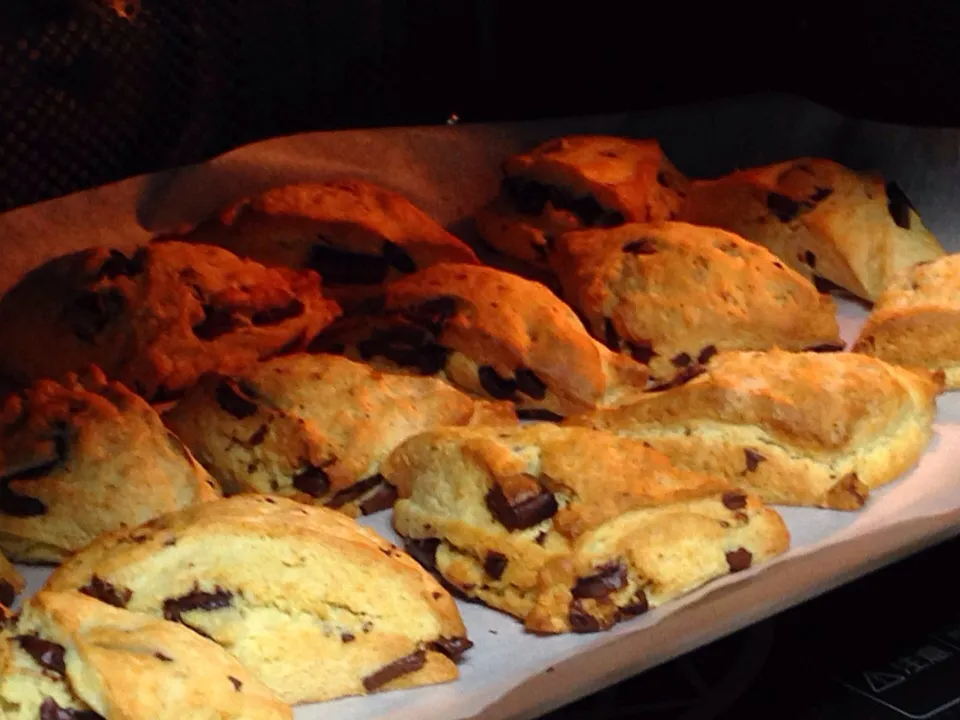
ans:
(450, 171)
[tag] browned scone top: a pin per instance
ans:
(568, 528)
(352, 232)
(491, 333)
(159, 318)
(916, 320)
(576, 182)
(83, 457)
(796, 428)
(316, 427)
(821, 218)
(673, 294)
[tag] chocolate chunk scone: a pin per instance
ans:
(84, 457)
(491, 333)
(916, 320)
(822, 219)
(309, 601)
(794, 428)
(157, 319)
(317, 427)
(576, 182)
(672, 295)
(119, 664)
(11, 584)
(570, 529)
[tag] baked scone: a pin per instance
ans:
(916, 320)
(84, 457)
(821, 218)
(672, 295)
(11, 583)
(128, 666)
(576, 182)
(352, 232)
(158, 319)
(570, 528)
(491, 333)
(313, 604)
(317, 427)
(794, 428)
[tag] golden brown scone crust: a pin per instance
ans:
(491, 333)
(569, 528)
(824, 220)
(794, 428)
(158, 319)
(673, 294)
(313, 604)
(578, 182)
(83, 457)
(916, 320)
(317, 427)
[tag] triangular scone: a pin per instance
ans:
(83, 457)
(671, 295)
(310, 602)
(916, 321)
(821, 218)
(316, 427)
(794, 428)
(491, 333)
(129, 666)
(576, 182)
(570, 529)
(11, 583)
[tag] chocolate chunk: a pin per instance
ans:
(527, 196)
(641, 351)
(820, 194)
(523, 509)
(347, 637)
(342, 267)
(453, 648)
(734, 500)
(827, 347)
(643, 246)
(494, 564)
(432, 314)
(606, 579)
(582, 621)
(96, 310)
(706, 354)
(236, 682)
(495, 386)
(196, 599)
(682, 360)
(810, 259)
(313, 481)
(106, 592)
(611, 336)
(357, 490)
(423, 550)
(118, 264)
(216, 323)
(276, 315)
(258, 436)
(382, 498)
(753, 459)
(50, 710)
(739, 559)
(235, 398)
(538, 414)
(47, 654)
(784, 208)
(638, 605)
(162, 658)
(398, 258)
(396, 669)
(541, 538)
(899, 205)
(681, 378)
(19, 505)
(530, 384)
(7, 593)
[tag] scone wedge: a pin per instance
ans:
(314, 605)
(672, 295)
(816, 429)
(916, 320)
(570, 529)
(317, 427)
(129, 666)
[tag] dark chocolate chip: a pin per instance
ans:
(538, 414)
(530, 384)
(196, 599)
(494, 564)
(313, 481)
(347, 637)
(342, 267)
(453, 648)
(236, 398)
(96, 310)
(528, 197)
(681, 378)
(734, 500)
(163, 658)
(107, 592)
(258, 436)
(606, 579)
(276, 315)
(541, 538)
(432, 314)
(810, 259)
(17, 505)
(784, 208)
(50, 710)
(610, 335)
(8, 593)
(638, 605)
(496, 386)
(237, 684)
(424, 551)
(382, 498)
(706, 354)
(820, 194)
(355, 491)
(216, 323)
(47, 654)
(398, 258)
(396, 669)
(753, 459)
(582, 621)
(899, 205)
(522, 511)
(682, 360)
(643, 246)
(641, 351)
(118, 264)
(827, 347)
(739, 559)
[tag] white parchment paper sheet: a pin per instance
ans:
(449, 172)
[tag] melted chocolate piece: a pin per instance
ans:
(357, 490)
(641, 351)
(7, 593)
(682, 378)
(347, 637)
(753, 459)
(424, 551)
(396, 669)
(407, 346)
(237, 684)
(258, 436)
(682, 360)
(827, 347)
(382, 498)
(96, 310)
(529, 383)
(196, 599)
(50, 710)
(216, 323)
(47, 654)
(495, 564)
(495, 386)
(342, 267)
(106, 592)
(638, 605)
(899, 205)
(163, 658)
(235, 398)
(643, 246)
(118, 264)
(580, 620)
(820, 194)
(18, 505)
(398, 258)
(432, 314)
(784, 208)
(528, 197)
(810, 259)
(523, 510)
(739, 559)
(605, 580)
(276, 315)
(313, 481)
(706, 354)
(453, 648)
(539, 414)
(734, 500)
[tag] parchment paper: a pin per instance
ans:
(449, 171)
